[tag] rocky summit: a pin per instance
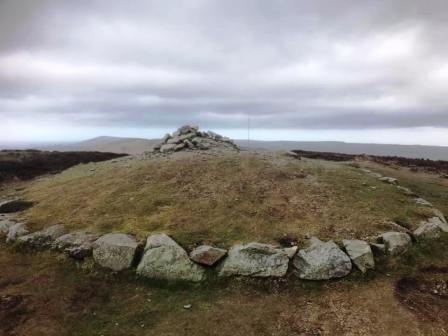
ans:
(190, 138)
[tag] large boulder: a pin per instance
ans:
(207, 255)
(321, 261)
(360, 253)
(115, 251)
(427, 231)
(256, 260)
(16, 231)
(164, 259)
(396, 242)
(44, 238)
(77, 245)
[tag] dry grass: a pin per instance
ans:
(220, 199)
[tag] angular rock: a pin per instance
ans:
(115, 251)
(321, 261)
(291, 251)
(77, 245)
(16, 231)
(360, 253)
(164, 259)
(14, 205)
(396, 242)
(256, 260)
(44, 238)
(207, 255)
(441, 224)
(428, 231)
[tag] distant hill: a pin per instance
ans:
(409, 151)
(109, 144)
(138, 145)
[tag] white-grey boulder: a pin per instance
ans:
(360, 253)
(16, 231)
(291, 251)
(321, 261)
(256, 260)
(115, 251)
(440, 223)
(44, 238)
(396, 242)
(77, 245)
(207, 255)
(164, 259)
(428, 231)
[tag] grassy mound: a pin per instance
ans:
(220, 199)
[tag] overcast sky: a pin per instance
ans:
(364, 71)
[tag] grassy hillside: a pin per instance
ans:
(221, 199)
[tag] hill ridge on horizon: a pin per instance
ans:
(140, 145)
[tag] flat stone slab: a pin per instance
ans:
(255, 260)
(207, 255)
(321, 261)
(164, 259)
(360, 253)
(396, 242)
(115, 251)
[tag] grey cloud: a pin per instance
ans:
(321, 64)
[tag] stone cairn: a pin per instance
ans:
(190, 138)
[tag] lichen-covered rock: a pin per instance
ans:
(396, 242)
(16, 231)
(321, 261)
(427, 231)
(207, 255)
(360, 253)
(115, 251)
(164, 259)
(44, 238)
(77, 245)
(256, 260)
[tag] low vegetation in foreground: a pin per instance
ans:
(221, 199)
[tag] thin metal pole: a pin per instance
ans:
(248, 128)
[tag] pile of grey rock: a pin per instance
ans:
(190, 138)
